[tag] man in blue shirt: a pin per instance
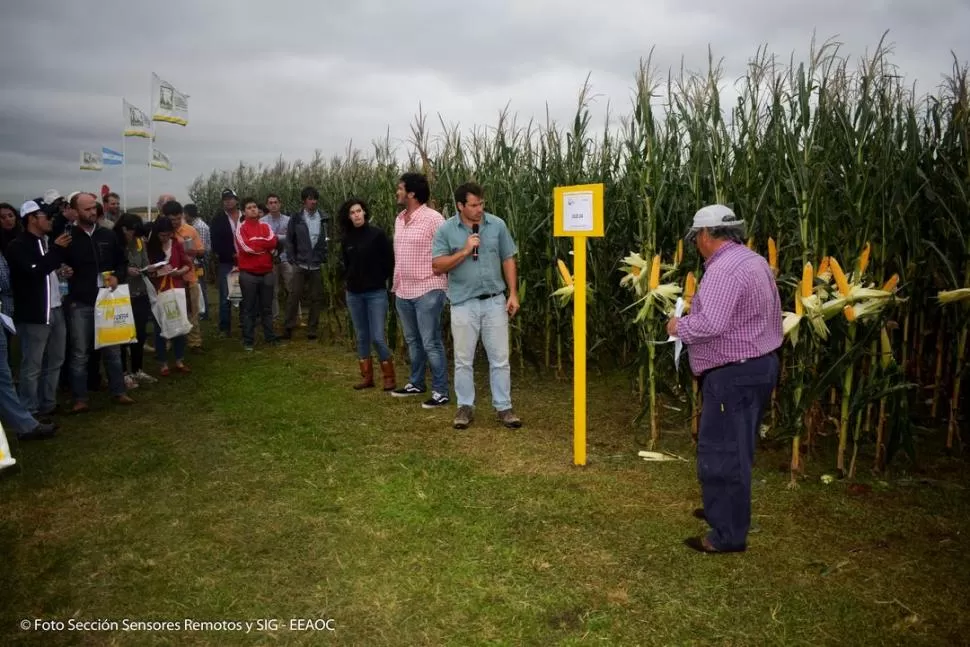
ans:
(476, 251)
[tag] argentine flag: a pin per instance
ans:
(111, 157)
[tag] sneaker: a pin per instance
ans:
(248, 349)
(463, 417)
(436, 400)
(130, 382)
(142, 376)
(407, 390)
(509, 419)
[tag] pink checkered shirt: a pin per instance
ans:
(412, 253)
(736, 313)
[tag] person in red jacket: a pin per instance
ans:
(255, 242)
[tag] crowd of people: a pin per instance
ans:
(60, 252)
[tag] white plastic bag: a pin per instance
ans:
(6, 460)
(114, 320)
(235, 292)
(169, 308)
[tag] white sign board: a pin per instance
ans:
(577, 211)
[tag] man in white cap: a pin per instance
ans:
(732, 335)
(36, 268)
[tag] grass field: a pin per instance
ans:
(263, 487)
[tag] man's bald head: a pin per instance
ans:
(86, 205)
(165, 197)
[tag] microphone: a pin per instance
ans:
(475, 249)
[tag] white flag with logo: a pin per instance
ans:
(168, 104)
(137, 123)
(160, 160)
(91, 161)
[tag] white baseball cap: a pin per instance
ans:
(713, 215)
(70, 196)
(28, 208)
(50, 195)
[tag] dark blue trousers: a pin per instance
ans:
(734, 400)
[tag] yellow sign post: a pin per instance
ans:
(578, 213)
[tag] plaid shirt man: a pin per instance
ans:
(736, 313)
(412, 253)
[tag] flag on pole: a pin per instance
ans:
(111, 158)
(160, 160)
(168, 104)
(137, 123)
(90, 161)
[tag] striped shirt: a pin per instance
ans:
(206, 236)
(736, 313)
(413, 239)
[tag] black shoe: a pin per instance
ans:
(39, 432)
(312, 336)
(407, 390)
(436, 400)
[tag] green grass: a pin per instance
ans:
(262, 486)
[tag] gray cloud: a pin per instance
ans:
(290, 76)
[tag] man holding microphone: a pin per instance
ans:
(475, 249)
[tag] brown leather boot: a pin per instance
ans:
(367, 373)
(387, 370)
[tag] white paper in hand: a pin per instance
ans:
(678, 344)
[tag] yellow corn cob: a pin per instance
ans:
(804, 288)
(849, 313)
(751, 243)
(690, 289)
(823, 267)
(679, 256)
(864, 259)
(890, 285)
(564, 272)
(773, 256)
(839, 276)
(887, 349)
(654, 273)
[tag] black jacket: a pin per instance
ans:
(298, 248)
(88, 256)
(367, 259)
(29, 271)
(223, 241)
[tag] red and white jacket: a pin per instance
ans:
(255, 242)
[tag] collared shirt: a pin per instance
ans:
(190, 240)
(412, 253)
(736, 313)
(279, 228)
(471, 278)
(206, 236)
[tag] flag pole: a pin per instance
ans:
(124, 179)
(151, 143)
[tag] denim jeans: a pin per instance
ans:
(11, 410)
(421, 324)
(43, 348)
(141, 307)
(486, 319)
(161, 347)
(368, 311)
(82, 336)
(257, 303)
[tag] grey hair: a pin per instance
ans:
(733, 233)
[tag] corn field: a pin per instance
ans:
(856, 190)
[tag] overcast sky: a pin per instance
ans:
(290, 76)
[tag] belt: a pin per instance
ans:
(737, 363)
(486, 297)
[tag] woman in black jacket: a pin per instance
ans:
(367, 257)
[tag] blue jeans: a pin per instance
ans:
(161, 346)
(421, 324)
(368, 311)
(734, 400)
(43, 348)
(225, 308)
(11, 410)
(489, 320)
(82, 338)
